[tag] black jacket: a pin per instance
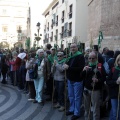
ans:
(87, 76)
(76, 66)
(111, 81)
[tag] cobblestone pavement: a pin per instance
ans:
(14, 106)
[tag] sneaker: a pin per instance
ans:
(75, 117)
(69, 113)
(4, 82)
(35, 101)
(30, 99)
(57, 105)
(41, 103)
(61, 109)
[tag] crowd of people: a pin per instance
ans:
(90, 79)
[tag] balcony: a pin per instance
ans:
(48, 28)
(51, 38)
(70, 15)
(45, 41)
(56, 23)
(61, 35)
(62, 19)
(69, 32)
(51, 26)
(56, 38)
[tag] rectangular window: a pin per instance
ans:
(45, 28)
(62, 1)
(48, 38)
(57, 20)
(70, 29)
(62, 32)
(63, 14)
(19, 29)
(48, 26)
(52, 24)
(70, 11)
(4, 29)
(51, 38)
(56, 36)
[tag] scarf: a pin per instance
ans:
(117, 68)
(62, 61)
(73, 55)
(93, 64)
(52, 58)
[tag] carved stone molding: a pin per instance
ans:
(89, 2)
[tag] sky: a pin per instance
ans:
(37, 8)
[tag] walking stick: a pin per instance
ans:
(53, 89)
(65, 93)
(90, 102)
(65, 84)
(118, 107)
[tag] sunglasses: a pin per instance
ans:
(59, 55)
(91, 58)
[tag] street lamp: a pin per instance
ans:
(37, 36)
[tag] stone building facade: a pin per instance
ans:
(104, 15)
(13, 22)
(66, 21)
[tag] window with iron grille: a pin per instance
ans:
(51, 38)
(62, 32)
(52, 24)
(70, 29)
(70, 11)
(62, 19)
(57, 20)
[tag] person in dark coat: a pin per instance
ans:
(74, 67)
(113, 82)
(93, 76)
(4, 69)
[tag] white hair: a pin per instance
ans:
(39, 51)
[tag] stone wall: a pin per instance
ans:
(104, 15)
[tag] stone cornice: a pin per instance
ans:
(50, 6)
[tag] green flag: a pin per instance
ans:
(28, 43)
(100, 38)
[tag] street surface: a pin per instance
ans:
(14, 106)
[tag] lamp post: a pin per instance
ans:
(37, 36)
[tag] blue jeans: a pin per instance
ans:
(75, 91)
(113, 113)
(59, 85)
(39, 83)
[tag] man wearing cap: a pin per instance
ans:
(74, 68)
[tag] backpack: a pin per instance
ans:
(99, 65)
(106, 66)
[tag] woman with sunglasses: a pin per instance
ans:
(93, 76)
(59, 78)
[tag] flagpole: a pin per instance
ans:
(65, 81)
